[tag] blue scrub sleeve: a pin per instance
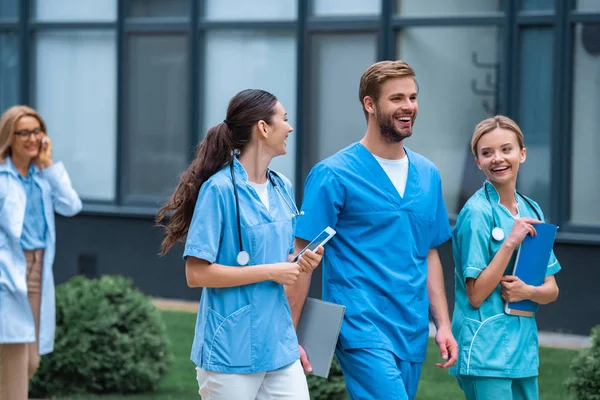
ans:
(473, 237)
(553, 265)
(206, 228)
(442, 231)
(323, 202)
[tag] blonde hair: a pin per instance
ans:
(488, 125)
(8, 123)
(377, 74)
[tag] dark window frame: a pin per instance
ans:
(387, 24)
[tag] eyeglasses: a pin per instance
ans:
(25, 133)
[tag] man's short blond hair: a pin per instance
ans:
(377, 74)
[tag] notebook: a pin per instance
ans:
(318, 330)
(531, 265)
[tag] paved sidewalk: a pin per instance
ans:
(547, 339)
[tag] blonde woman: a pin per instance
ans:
(498, 357)
(32, 189)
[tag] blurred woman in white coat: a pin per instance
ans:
(32, 189)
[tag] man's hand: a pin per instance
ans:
(448, 347)
(304, 360)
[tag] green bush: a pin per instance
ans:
(585, 382)
(109, 339)
(332, 388)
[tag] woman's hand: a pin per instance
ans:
(522, 228)
(309, 260)
(285, 273)
(44, 158)
(514, 289)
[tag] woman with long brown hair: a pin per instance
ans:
(32, 188)
(237, 219)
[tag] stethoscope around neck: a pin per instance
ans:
(243, 257)
(497, 232)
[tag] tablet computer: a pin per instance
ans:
(320, 240)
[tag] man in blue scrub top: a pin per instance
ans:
(385, 202)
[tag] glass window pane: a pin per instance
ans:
(158, 8)
(536, 5)
(418, 8)
(157, 125)
(9, 9)
(535, 113)
(245, 10)
(75, 10)
(269, 63)
(337, 119)
(588, 5)
(346, 7)
(449, 109)
(9, 71)
(585, 195)
(75, 74)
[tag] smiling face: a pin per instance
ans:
(277, 131)
(27, 138)
(396, 109)
(499, 156)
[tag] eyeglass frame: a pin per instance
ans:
(24, 134)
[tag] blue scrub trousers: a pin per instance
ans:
(485, 388)
(378, 374)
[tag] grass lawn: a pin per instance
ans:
(435, 384)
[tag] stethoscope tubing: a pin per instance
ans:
(243, 256)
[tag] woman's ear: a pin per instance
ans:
(263, 129)
(523, 155)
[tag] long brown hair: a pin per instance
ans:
(8, 124)
(245, 110)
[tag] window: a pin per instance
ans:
(237, 60)
(346, 7)
(9, 71)
(9, 9)
(157, 127)
(75, 75)
(585, 195)
(449, 108)
(588, 6)
(536, 5)
(420, 8)
(75, 10)
(158, 8)
(245, 10)
(337, 118)
(535, 113)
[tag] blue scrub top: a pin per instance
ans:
(491, 343)
(33, 236)
(242, 329)
(376, 264)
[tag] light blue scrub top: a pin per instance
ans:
(33, 236)
(376, 264)
(242, 329)
(491, 343)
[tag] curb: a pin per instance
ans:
(546, 339)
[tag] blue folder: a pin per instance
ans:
(531, 265)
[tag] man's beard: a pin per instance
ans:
(387, 127)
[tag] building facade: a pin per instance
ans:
(129, 87)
